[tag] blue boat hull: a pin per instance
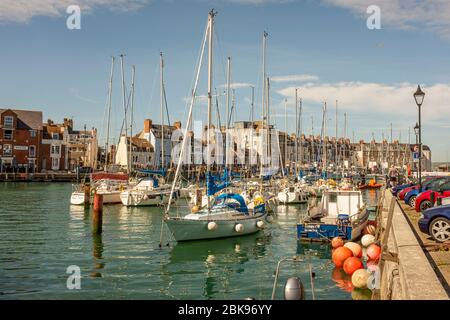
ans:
(322, 232)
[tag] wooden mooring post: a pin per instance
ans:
(97, 214)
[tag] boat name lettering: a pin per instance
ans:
(312, 227)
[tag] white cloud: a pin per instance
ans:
(295, 78)
(237, 85)
(396, 100)
(24, 10)
(429, 15)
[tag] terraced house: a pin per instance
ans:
(20, 140)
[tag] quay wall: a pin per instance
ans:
(40, 177)
(409, 275)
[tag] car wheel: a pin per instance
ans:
(426, 204)
(412, 201)
(440, 229)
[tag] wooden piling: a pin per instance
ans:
(87, 195)
(97, 214)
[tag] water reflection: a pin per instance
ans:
(97, 253)
(231, 250)
(215, 264)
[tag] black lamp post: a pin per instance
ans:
(419, 95)
(416, 131)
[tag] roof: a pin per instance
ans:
(27, 119)
(141, 143)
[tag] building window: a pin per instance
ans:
(33, 133)
(55, 150)
(8, 135)
(8, 121)
(55, 136)
(32, 152)
(7, 150)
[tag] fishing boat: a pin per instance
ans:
(339, 214)
(110, 185)
(148, 191)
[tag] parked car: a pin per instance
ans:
(436, 223)
(402, 193)
(411, 196)
(428, 198)
(395, 190)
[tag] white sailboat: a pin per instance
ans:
(228, 215)
(152, 190)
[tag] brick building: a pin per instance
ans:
(20, 140)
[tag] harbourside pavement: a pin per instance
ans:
(407, 271)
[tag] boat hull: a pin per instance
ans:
(324, 231)
(141, 199)
(292, 198)
(188, 230)
(78, 198)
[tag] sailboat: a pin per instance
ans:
(108, 184)
(226, 215)
(151, 190)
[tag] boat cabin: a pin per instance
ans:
(340, 203)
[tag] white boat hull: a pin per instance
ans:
(292, 197)
(187, 230)
(78, 198)
(136, 198)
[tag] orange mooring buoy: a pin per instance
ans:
(337, 242)
(352, 264)
(340, 255)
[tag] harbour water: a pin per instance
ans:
(41, 235)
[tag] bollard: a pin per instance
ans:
(97, 214)
(439, 201)
(432, 198)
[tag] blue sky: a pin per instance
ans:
(322, 47)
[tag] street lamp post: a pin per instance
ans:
(419, 95)
(416, 132)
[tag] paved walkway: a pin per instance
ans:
(437, 253)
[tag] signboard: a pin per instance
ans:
(416, 156)
(21, 148)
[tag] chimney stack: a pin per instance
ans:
(147, 125)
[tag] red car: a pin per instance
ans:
(425, 201)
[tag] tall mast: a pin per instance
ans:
(296, 130)
(286, 136)
(125, 110)
(252, 119)
(313, 149)
(212, 13)
(227, 160)
(133, 70)
(300, 129)
(189, 120)
(336, 143)
(109, 111)
(161, 63)
(269, 141)
(263, 102)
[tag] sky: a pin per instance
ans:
(324, 48)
